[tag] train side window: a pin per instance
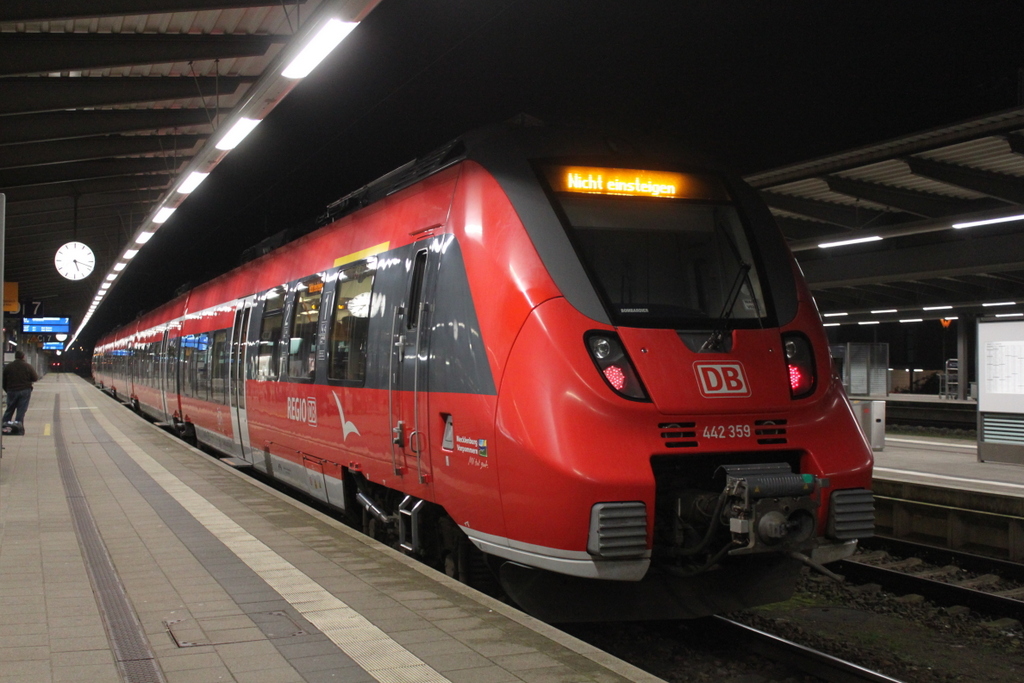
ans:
(412, 312)
(350, 324)
(268, 352)
(219, 367)
(172, 366)
(201, 357)
(302, 331)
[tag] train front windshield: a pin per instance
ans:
(661, 260)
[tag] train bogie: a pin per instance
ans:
(611, 382)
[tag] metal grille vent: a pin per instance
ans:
(1002, 428)
(852, 515)
(770, 431)
(618, 530)
(679, 434)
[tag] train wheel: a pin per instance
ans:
(467, 564)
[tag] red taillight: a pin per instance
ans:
(616, 377)
(800, 363)
(610, 358)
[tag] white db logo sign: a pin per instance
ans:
(721, 379)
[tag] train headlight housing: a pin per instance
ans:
(799, 365)
(614, 365)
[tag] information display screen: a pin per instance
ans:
(53, 346)
(46, 325)
(1001, 367)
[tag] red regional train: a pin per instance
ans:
(586, 367)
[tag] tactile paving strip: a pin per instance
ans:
(128, 640)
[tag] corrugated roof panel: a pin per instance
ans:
(818, 190)
(987, 154)
(896, 173)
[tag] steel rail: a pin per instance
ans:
(808, 660)
(939, 592)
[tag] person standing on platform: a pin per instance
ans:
(18, 378)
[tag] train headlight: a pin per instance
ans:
(616, 369)
(799, 364)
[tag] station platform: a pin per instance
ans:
(126, 555)
(945, 463)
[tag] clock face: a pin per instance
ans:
(74, 260)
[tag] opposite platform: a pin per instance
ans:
(127, 555)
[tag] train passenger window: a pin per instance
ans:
(305, 317)
(268, 353)
(667, 262)
(412, 312)
(219, 367)
(350, 324)
(172, 366)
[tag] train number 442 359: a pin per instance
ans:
(726, 431)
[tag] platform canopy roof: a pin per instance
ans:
(106, 106)
(905, 196)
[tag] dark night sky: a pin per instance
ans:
(757, 84)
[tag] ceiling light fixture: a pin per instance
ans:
(989, 221)
(1000, 303)
(883, 310)
(321, 45)
(237, 133)
(843, 243)
(192, 182)
(162, 215)
(912, 320)
(143, 237)
(936, 308)
(834, 315)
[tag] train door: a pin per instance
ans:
(236, 378)
(161, 378)
(408, 390)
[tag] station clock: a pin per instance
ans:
(74, 260)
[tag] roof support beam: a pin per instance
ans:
(33, 10)
(1000, 186)
(85, 170)
(155, 181)
(87, 149)
(847, 217)
(78, 124)
(952, 258)
(29, 95)
(920, 203)
(33, 53)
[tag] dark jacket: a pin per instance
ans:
(18, 375)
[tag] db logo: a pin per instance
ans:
(302, 410)
(721, 379)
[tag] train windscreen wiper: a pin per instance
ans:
(714, 342)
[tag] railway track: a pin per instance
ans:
(808, 660)
(993, 587)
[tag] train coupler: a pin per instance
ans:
(769, 508)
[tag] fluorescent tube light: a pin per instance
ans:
(831, 325)
(936, 308)
(130, 254)
(163, 214)
(1000, 303)
(325, 40)
(868, 322)
(989, 221)
(237, 133)
(843, 243)
(1009, 315)
(912, 320)
(884, 310)
(192, 182)
(834, 315)
(111, 277)
(143, 237)
(119, 266)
